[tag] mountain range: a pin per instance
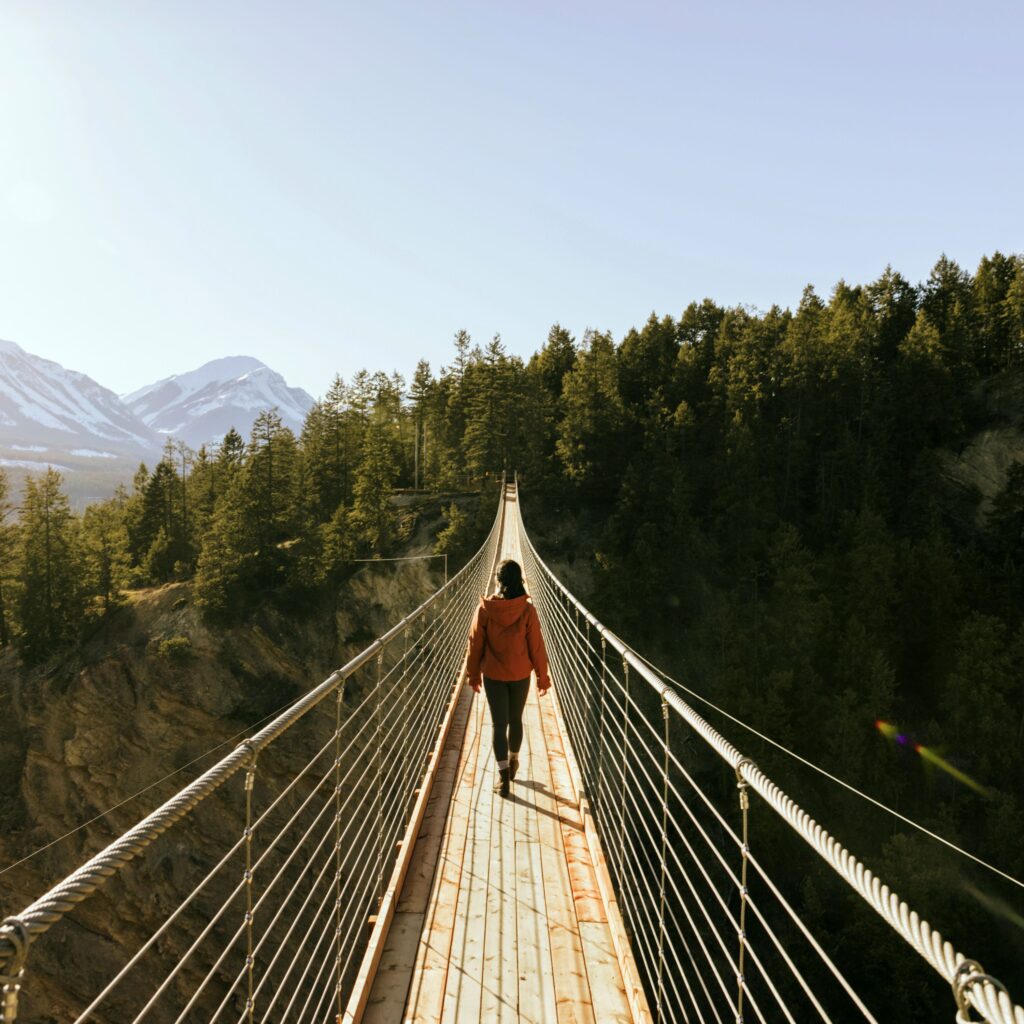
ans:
(50, 415)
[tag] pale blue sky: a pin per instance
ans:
(333, 185)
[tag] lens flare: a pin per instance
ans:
(892, 733)
(940, 762)
(995, 905)
(886, 729)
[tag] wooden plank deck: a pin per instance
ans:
(502, 916)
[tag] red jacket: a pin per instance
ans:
(505, 642)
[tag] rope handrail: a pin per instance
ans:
(971, 985)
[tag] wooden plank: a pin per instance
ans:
(604, 974)
(629, 974)
(527, 809)
(426, 995)
(464, 990)
(585, 892)
(436, 821)
(572, 987)
(501, 964)
(536, 975)
(387, 998)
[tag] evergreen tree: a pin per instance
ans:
(106, 558)
(270, 471)
(373, 518)
(50, 594)
(7, 556)
(226, 563)
(420, 394)
(592, 430)
(231, 453)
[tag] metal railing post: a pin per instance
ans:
(622, 786)
(406, 759)
(600, 726)
(591, 714)
(250, 782)
(741, 786)
(380, 785)
(339, 701)
(664, 862)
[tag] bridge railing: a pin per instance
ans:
(691, 856)
(262, 874)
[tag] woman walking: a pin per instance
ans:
(505, 644)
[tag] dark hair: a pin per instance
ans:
(510, 579)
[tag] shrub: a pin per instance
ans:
(176, 649)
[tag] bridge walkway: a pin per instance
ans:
(501, 917)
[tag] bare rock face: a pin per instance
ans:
(982, 466)
(156, 691)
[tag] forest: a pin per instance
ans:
(769, 508)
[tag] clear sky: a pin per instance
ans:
(333, 185)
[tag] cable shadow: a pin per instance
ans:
(539, 787)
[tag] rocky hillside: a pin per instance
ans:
(153, 690)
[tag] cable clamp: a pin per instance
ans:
(16, 930)
(968, 973)
(740, 765)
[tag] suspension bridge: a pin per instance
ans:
(350, 862)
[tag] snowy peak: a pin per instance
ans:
(42, 402)
(202, 405)
(181, 385)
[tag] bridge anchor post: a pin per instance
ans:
(250, 783)
(338, 703)
(664, 859)
(742, 787)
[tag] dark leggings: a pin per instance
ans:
(507, 702)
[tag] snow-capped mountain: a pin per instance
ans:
(43, 405)
(200, 406)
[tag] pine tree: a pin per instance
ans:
(489, 413)
(231, 453)
(106, 559)
(7, 556)
(270, 478)
(372, 515)
(591, 440)
(420, 394)
(226, 563)
(50, 596)
(336, 540)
